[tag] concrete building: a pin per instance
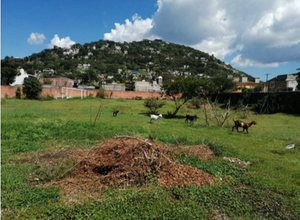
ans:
(114, 87)
(142, 86)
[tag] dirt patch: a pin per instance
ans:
(183, 175)
(126, 161)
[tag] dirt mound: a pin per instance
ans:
(128, 161)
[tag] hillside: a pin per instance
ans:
(108, 58)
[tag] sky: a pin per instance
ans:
(254, 36)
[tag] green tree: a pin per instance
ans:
(223, 83)
(183, 89)
(48, 81)
(153, 103)
(8, 70)
(32, 88)
(8, 75)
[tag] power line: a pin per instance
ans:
(267, 87)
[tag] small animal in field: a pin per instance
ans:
(115, 113)
(155, 117)
(244, 125)
(190, 118)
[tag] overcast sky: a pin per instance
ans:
(254, 36)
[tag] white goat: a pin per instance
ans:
(155, 117)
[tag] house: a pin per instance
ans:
(84, 66)
(19, 80)
(247, 85)
(50, 71)
(286, 82)
(292, 81)
(68, 51)
(242, 82)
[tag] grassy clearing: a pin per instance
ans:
(268, 189)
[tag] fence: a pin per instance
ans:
(285, 102)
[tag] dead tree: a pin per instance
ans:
(220, 118)
(97, 118)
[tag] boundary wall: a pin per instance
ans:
(66, 92)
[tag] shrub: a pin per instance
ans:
(153, 104)
(101, 93)
(18, 93)
(196, 102)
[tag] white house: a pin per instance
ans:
(19, 80)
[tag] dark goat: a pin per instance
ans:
(244, 125)
(115, 113)
(190, 118)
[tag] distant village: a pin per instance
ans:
(286, 82)
(144, 79)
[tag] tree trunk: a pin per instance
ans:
(178, 106)
(205, 113)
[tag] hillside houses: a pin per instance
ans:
(70, 51)
(150, 58)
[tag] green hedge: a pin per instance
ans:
(269, 103)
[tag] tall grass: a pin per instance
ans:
(272, 180)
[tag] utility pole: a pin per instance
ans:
(267, 84)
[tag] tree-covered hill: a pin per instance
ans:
(107, 58)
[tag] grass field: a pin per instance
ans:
(267, 189)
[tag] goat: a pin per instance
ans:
(115, 113)
(155, 117)
(192, 118)
(244, 125)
